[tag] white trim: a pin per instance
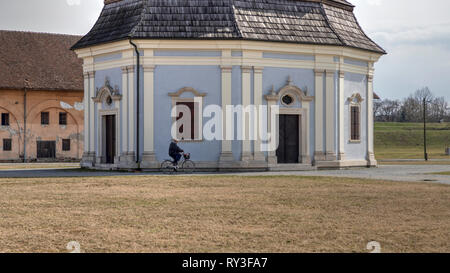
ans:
(350, 106)
(101, 114)
(319, 149)
(246, 101)
(341, 102)
(124, 111)
(330, 114)
(148, 110)
(91, 112)
(226, 100)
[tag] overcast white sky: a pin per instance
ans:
(415, 33)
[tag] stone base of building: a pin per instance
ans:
(88, 160)
(149, 161)
(227, 163)
(127, 161)
(342, 164)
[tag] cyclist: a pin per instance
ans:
(175, 152)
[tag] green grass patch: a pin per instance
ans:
(394, 140)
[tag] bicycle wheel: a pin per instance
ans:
(167, 167)
(188, 166)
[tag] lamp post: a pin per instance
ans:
(425, 128)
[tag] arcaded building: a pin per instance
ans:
(41, 98)
(309, 62)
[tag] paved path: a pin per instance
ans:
(412, 173)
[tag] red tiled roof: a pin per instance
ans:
(43, 60)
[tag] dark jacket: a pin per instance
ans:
(174, 149)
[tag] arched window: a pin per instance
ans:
(355, 117)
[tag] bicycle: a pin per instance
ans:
(187, 165)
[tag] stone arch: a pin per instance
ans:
(75, 116)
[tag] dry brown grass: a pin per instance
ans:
(222, 214)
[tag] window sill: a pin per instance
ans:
(354, 141)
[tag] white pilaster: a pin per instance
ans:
(86, 113)
(124, 111)
(226, 155)
(319, 154)
(131, 111)
(330, 116)
(306, 157)
(258, 86)
(92, 113)
(148, 158)
(341, 103)
(371, 161)
(246, 101)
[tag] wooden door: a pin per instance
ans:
(110, 128)
(46, 149)
(288, 149)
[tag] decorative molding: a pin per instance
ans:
(370, 78)
(246, 69)
(355, 98)
(319, 72)
(288, 88)
(149, 68)
(258, 69)
(189, 90)
(341, 74)
(105, 91)
(330, 72)
(124, 69)
(226, 68)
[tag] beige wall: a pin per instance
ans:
(54, 102)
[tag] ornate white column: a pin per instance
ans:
(148, 158)
(124, 116)
(87, 159)
(341, 103)
(226, 155)
(258, 85)
(319, 154)
(306, 152)
(86, 114)
(246, 101)
(272, 99)
(92, 115)
(330, 115)
(371, 161)
(131, 113)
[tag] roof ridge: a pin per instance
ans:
(39, 32)
(327, 20)
(144, 9)
(235, 21)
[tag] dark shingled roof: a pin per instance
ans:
(323, 22)
(39, 61)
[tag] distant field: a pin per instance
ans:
(395, 140)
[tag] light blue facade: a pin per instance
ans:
(277, 77)
(207, 79)
(355, 84)
(168, 79)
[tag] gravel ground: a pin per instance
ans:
(410, 173)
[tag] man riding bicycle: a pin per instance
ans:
(175, 152)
